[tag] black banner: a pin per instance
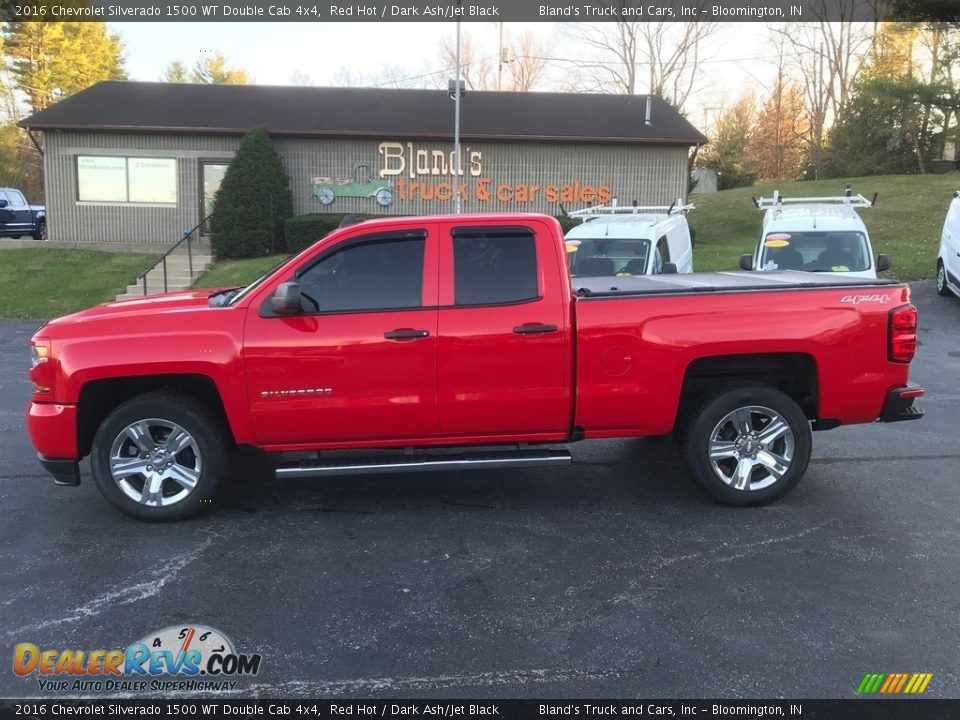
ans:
(856, 709)
(478, 10)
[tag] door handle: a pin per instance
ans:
(534, 328)
(406, 334)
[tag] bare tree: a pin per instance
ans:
(527, 58)
(662, 58)
(827, 57)
(478, 70)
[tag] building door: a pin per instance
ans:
(211, 175)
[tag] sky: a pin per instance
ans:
(276, 53)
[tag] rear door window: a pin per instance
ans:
(494, 267)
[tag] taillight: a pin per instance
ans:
(903, 334)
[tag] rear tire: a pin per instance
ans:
(942, 288)
(747, 444)
(159, 456)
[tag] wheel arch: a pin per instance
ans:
(793, 373)
(98, 398)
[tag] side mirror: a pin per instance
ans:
(3, 203)
(746, 262)
(286, 299)
(669, 269)
(883, 262)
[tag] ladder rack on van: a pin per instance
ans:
(674, 208)
(857, 201)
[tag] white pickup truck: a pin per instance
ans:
(816, 234)
(624, 240)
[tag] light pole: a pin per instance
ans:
(456, 90)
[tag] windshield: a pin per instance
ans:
(603, 257)
(815, 251)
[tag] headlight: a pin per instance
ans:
(38, 354)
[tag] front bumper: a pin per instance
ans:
(899, 404)
(65, 472)
(52, 428)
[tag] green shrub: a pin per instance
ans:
(253, 201)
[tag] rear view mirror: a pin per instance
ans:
(669, 269)
(286, 299)
(883, 262)
(746, 262)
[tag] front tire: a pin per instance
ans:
(41, 233)
(942, 288)
(747, 444)
(159, 456)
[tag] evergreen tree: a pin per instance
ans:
(253, 201)
(52, 60)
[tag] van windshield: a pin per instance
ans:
(815, 251)
(604, 257)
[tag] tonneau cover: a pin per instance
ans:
(706, 282)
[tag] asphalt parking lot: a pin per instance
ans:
(615, 577)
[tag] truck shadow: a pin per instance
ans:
(610, 474)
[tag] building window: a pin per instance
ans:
(121, 180)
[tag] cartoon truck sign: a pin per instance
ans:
(328, 189)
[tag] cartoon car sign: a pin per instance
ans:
(327, 189)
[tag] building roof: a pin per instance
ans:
(366, 112)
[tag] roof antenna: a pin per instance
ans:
(649, 104)
(670, 209)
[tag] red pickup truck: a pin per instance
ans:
(452, 342)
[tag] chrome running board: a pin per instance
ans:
(425, 463)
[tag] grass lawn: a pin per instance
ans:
(905, 223)
(43, 283)
(235, 273)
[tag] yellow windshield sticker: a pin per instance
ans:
(840, 268)
(572, 245)
(778, 241)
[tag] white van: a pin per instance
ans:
(630, 240)
(816, 234)
(948, 260)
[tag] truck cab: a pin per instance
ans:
(18, 217)
(948, 259)
(622, 241)
(815, 234)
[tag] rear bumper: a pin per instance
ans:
(899, 404)
(65, 472)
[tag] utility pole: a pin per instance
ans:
(457, 92)
(500, 59)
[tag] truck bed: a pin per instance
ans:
(707, 282)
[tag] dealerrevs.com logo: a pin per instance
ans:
(178, 658)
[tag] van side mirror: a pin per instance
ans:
(883, 262)
(286, 299)
(746, 262)
(669, 269)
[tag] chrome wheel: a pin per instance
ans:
(155, 462)
(751, 448)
